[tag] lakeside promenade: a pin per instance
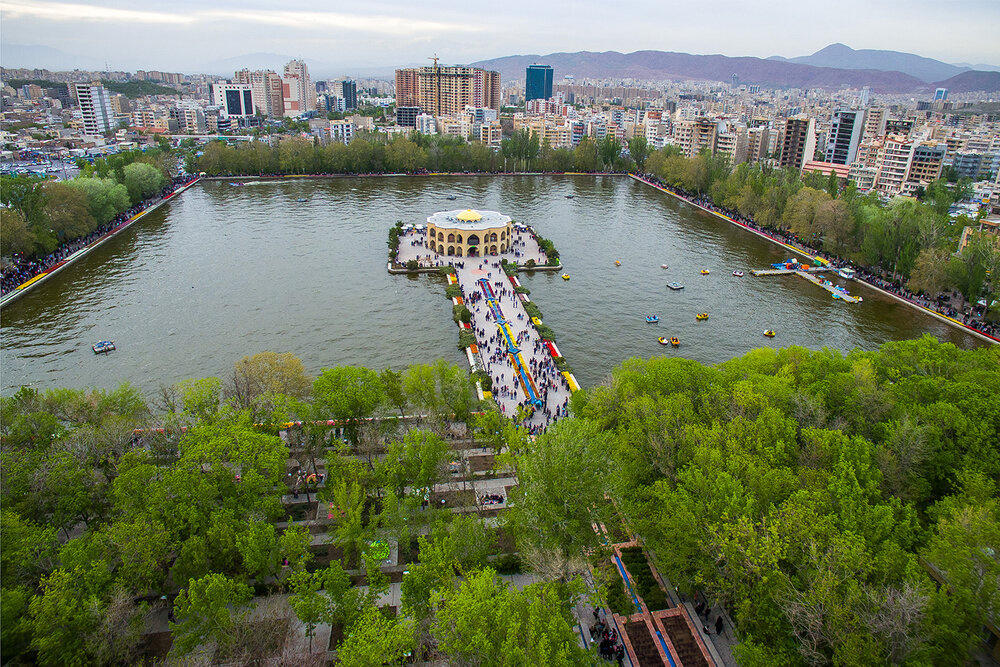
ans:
(26, 286)
(810, 254)
(501, 324)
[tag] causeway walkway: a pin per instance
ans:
(507, 344)
(25, 287)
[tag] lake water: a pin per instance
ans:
(222, 272)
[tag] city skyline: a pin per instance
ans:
(395, 34)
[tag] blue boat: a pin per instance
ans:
(652, 319)
(675, 285)
(104, 346)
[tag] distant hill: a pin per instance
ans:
(844, 57)
(33, 56)
(663, 65)
(774, 72)
(967, 82)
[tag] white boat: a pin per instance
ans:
(846, 273)
(675, 285)
(104, 346)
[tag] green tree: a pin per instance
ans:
(68, 212)
(638, 148)
(348, 394)
(208, 610)
(142, 181)
(376, 640)
(486, 622)
(562, 482)
(106, 198)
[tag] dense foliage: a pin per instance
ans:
(38, 214)
(103, 515)
(818, 495)
(911, 241)
(376, 154)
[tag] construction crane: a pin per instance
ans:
(435, 59)
(437, 85)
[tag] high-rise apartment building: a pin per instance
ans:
(798, 143)
(267, 91)
(874, 124)
(926, 162)
(95, 104)
(845, 136)
(694, 136)
(538, 82)
(349, 92)
(443, 91)
(941, 94)
(297, 90)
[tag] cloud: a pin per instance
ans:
(304, 20)
(395, 26)
(64, 11)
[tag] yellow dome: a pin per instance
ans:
(468, 215)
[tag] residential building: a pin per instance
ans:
(926, 163)
(424, 123)
(893, 165)
(874, 125)
(757, 142)
(95, 105)
(267, 91)
(407, 116)
(491, 134)
(444, 91)
(798, 143)
(845, 136)
(694, 136)
(538, 82)
(341, 131)
(971, 165)
(297, 90)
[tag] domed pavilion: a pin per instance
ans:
(468, 233)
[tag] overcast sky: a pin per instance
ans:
(183, 35)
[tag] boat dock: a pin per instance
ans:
(810, 275)
(785, 272)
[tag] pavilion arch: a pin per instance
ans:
(473, 239)
(493, 248)
(433, 248)
(493, 237)
(451, 238)
(459, 238)
(458, 251)
(440, 237)
(451, 251)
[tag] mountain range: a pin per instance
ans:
(833, 67)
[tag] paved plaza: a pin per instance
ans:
(553, 389)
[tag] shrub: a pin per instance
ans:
(460, 313)
(485, 381)
(453, 291)
(509, 268)
(617, 597)
(545, 332)
(562, 364)
(446, 270)
(530, 264)
(521, 289)
(532, 310)
(412, 265)
(465, 339)
(508, 564)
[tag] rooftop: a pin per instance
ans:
(468, 219)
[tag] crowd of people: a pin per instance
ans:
(491, 499)
(550, 385)
(23, 268)
(972, 317)
(609, 648)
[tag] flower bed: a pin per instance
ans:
(646, 585)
